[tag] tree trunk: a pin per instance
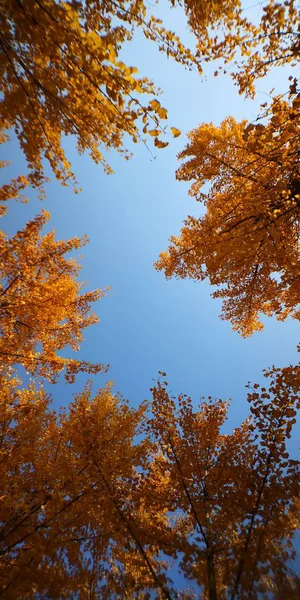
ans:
(212, 589)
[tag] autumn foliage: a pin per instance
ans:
(231, 499)
(14, 189)
(247, 242)
(87, 507)
(61, 74)
(226, 31)
(102, 500)
(41, 307)
(64, 519)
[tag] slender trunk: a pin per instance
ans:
(211, 575)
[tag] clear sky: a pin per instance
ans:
(147, 323)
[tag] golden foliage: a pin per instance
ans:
(61, 74)
(68, 522)
(225, 32)
(12, 190)
(99, 501)
(41, 307)
(247, 242)
(232, 499)
(92, 507)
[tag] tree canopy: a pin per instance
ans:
(87, 507)
(41, 308)
(226, 32)
(61, 74)
(247, 242)
(102, 499)
(231, 498)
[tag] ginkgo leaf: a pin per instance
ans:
(155, 104)
(160, 111)
(160, 144)
(176, 132)
(154, 132)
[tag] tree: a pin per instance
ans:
(102, 433)
(61, 74)
(225, 32)
(247, 242)
(67, 487)
(232, 499)
(95, 500)
(41, 307)
(28, 476)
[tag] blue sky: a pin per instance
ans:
(147, 323)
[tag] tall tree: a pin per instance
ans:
(28, 478)
(247, 242)
(41, 307)
(232, 499)
(68, 526)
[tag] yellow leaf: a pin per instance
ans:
(176, 132)
(154, 132)
(159, 144)
(155, 104)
